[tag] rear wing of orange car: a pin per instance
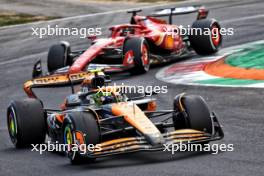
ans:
(170, 12)
(59, 79)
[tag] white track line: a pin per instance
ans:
(84, 16)
(22, 59)
(105, 13)
(242, 18)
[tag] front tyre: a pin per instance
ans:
(137, 48)
(26, 122)
(193, 113)
(207, 39)
(80, 128)
(59, 56)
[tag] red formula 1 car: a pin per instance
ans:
(133, 47)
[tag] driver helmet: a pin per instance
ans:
(102, 98)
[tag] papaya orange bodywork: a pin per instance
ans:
(135, 117)
(53, 80)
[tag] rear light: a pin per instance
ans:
(152, 106)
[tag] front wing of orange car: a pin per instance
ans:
(136, 144)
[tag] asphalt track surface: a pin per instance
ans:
(239, 110)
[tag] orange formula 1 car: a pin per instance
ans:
(112, 121)
(146, 40)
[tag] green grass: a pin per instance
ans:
(229, 81)
(14, 18)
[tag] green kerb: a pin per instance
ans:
(252, 57)
(229, 81)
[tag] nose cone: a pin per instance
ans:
(137, 118)
(155, 139)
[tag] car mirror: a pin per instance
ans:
(37, 69)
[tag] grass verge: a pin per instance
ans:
(11, 18)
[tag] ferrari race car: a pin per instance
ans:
(105, 116)
(133, 47)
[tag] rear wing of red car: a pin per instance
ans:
(170, 12)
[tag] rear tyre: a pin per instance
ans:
(26, 122)
(210, 39)
(59, 56)
(138, 49)
(85, 123)
(196, 116)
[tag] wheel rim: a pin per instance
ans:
(145, 57)
(12, 126)
(69, 141)
(129, 57)
(68, 135)
(215, 35)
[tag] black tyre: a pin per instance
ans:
(85, 123)
(196, 116)
(26, 122)
(138, 48)
(59, 56)
(209, 41)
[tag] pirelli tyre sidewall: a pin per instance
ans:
(59, 56)
(85, 123)
(203, 43)
(192, 112)
(139, 48)
(26, 122)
